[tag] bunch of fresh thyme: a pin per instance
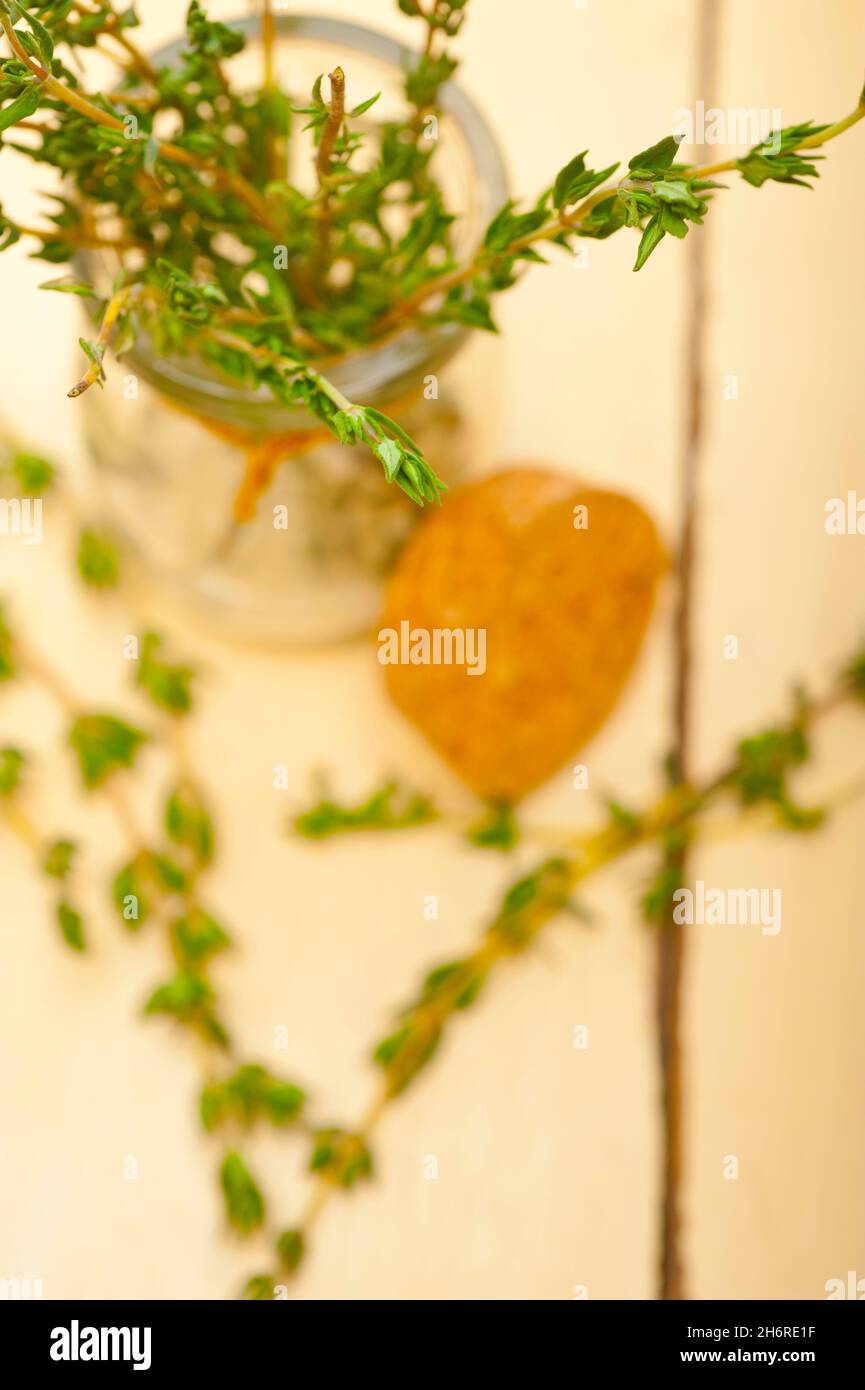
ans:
(219, 255)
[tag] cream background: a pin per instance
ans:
(547, 1156)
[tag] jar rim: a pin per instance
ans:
(369, 371)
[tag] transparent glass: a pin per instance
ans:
(171, 442)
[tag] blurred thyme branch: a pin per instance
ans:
(335, 114)
(756, 775)
(600, 214)
(159, 884)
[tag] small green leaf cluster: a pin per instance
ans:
(142, 881)
(7, 651)
(657, 898)
(776, 158)
(853, 675)
(188, 823)
(765, 762)
(71, 925)
(531, 900)
(400, 457)
(58, 860)
(30, 474)
(448, 988)
(498, 829)
(103, 745)
(154, 881)
(195, 937)
(11, 766)
(447, 15)
(391, 807)
(249, 1094)
(189, 999)
(290, 1250)
(244, 1202)
(168, 684)
(340, 1157)
(661, 197)
(97, 559)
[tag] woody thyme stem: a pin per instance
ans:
(329, 137)
(268, 41)
(116, 306)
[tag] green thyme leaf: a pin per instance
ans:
(33, 475)
(65, 284)
(128, 890)
(7, 660)
(775, 158)
(340, 1157)
(244, 1204)
(188, 823)
(365, 105)
(182, 997)
(71, 926)
(652, 237)
(854, 674)
(575, 182)
(97, 559)
(658, 896)
(196, 936)
(58, 857)
(498, 829)
(765, 762)
(656, 159)
(168, 685)
(11, 764)
(260, 1288)
(168, 874)
(20, 108)
(103, 745)
(623, 817)
(290, 1247)
(252, 1093)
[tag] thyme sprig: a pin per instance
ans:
(158, 884)
(757, 774)
(219, 256)
(53, 858)
(390, 807)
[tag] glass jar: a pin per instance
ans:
(172, 443)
